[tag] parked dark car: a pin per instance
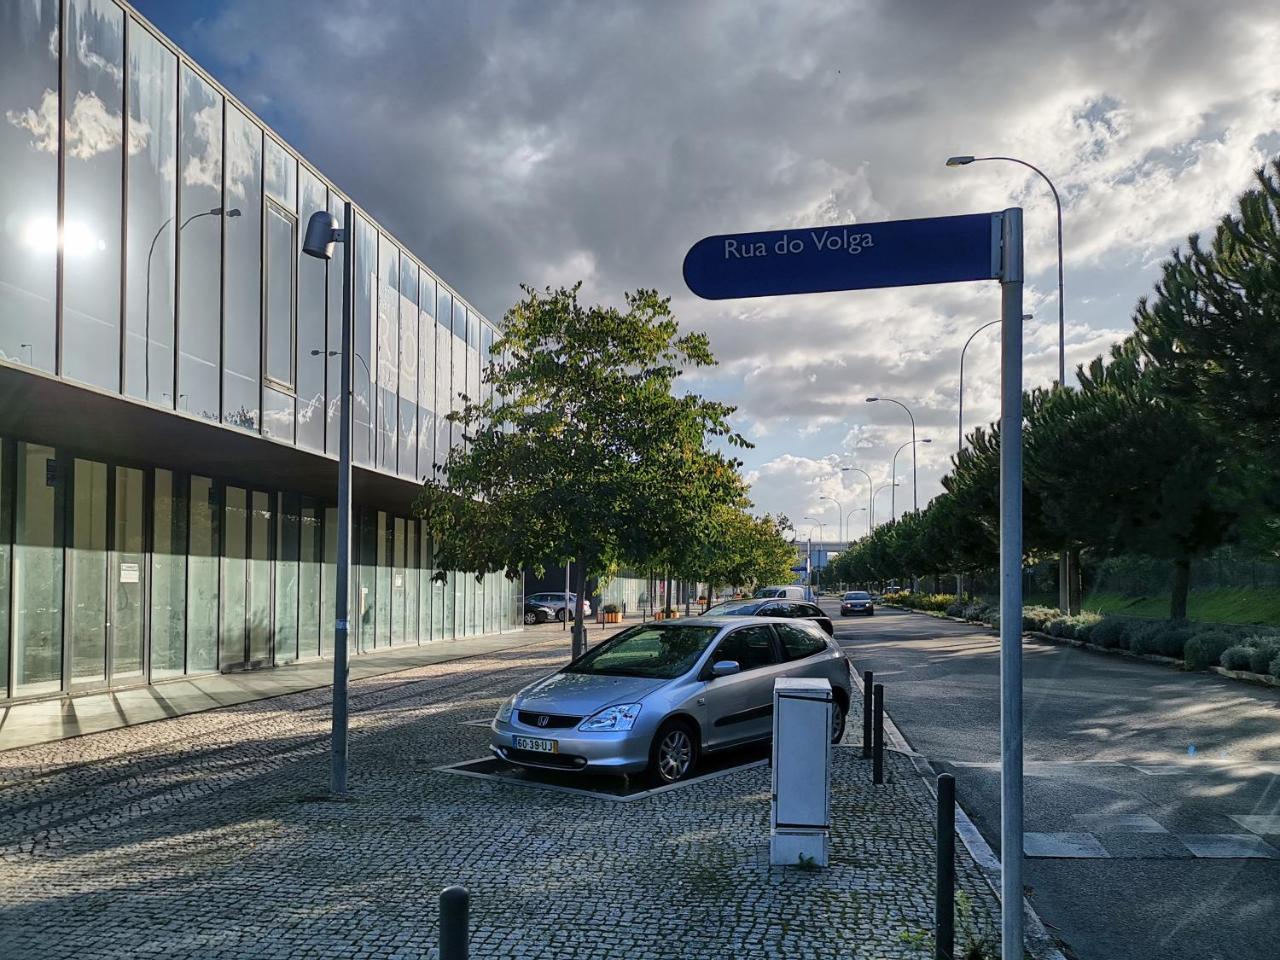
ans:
(857, 602)
(537, 613)
(792, 609)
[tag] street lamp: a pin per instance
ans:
(146, 347)
(889, 483)
(915, 493)
(848, 519)
(1062, 327)
(322, 233)
(893, 471)
(813, 572)
(960, 415)
(839, 516)
(870, 509)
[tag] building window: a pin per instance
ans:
(168, 576)
(426, 375)
(87, 573)
(151, 249)
(242, 281)
(29, 187)
(366, 324)
(127, 581)
(281, 175)
(93, 130)
(37, 572)
(310, 362)
(443, 378)
(407, 457)
(200, 247)
(289, 543)
(279, 334)
(203, 589)
(388, 353)
(333, 330)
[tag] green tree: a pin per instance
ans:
(581, 450)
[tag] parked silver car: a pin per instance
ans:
(658, 695)
(559, 602)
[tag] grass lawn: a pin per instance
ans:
(1235, 605)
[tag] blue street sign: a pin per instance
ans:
(896, 253)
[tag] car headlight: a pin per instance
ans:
(504, 711)
(619, 717)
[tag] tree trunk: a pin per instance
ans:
(1181, 587)
(710, 590)
(579, 628)
(1077, 582)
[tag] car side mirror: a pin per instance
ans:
(725, 668)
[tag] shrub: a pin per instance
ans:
(1172, 641)
(1143, 637)
(1274, 668)
(1204, 649)
(976, 610)
(1038, 618)
(611, 608)
(1084, 624)
(1264, 650)
(1110, 633)
(955, 609)
(1236, 658)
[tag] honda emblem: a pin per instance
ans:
(543, 720)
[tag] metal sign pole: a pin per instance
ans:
(342, 623)
(1011, 586)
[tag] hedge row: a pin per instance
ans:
(1199, 646)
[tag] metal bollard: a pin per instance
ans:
(868, 681)
(877, 736)
(944, 897)
(455, 909)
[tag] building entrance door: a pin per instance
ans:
(246, 579)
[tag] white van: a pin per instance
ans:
(791, 592)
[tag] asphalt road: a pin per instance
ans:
(1135, 768)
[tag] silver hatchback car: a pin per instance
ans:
(659, 695)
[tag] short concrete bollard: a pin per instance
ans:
(455, 923)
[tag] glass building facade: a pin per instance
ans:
(169, 381)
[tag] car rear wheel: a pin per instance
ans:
(530, 617)
(560, 614)
(674, 753)
(837, 720)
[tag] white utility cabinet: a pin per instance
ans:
(800, 825)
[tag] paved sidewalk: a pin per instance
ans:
(41, 721)
(210, 835)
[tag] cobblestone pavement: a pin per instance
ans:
(210, 836)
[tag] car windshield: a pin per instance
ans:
(765, 592)
(857, 595)
(659, 650)
(733, 608)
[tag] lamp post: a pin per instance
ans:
(915, 493)
(146, 313)
(870, 486)
(960, 415)
(839, 516)
(887, 483)
(322, 233)
(849, 521)
(893, 470)
(813, 570)
(1064, 562)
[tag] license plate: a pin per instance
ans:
(534, 745)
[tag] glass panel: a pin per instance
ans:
(259, 598)
(202, 575)
(200, 247)
(129, 575)
(281, 256)
(168, 577)
(444, 363)
(365, 321)
(330, 596)
(277, 414)
(93, 129)
(281, 175)
(425, 591)
(4, 569)
(388, 352)
(288, 552)
(382, 597)
(152, 198)
(408, 445)
(29, 187)
(364, 577)
(412, 596)
(37, 573)
(457, 370)
(399, 583)
(88, 573)
(426, 374)
(458, 580)
(235, 520)
(243, 314)
(310, 363)
(311, 556)
(333, 324)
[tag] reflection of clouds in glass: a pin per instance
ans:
(42, 122)
(203, 149)
(139, 134)
(54, 46)
(96, 61)
(92, 128)
(244, 153)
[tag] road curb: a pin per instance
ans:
(1037, 940)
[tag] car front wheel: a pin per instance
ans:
(560, 615)
(674, 753)
(530, 617)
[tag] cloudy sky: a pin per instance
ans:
(547, 141)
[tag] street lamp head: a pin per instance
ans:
(959, 161)
(872, 399)
(322, 233)
(927, 440)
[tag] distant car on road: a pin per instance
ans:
(659, 695)
(791, 609)
(857, 601)
(537, 613)
(558, 603)
(784, 592)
